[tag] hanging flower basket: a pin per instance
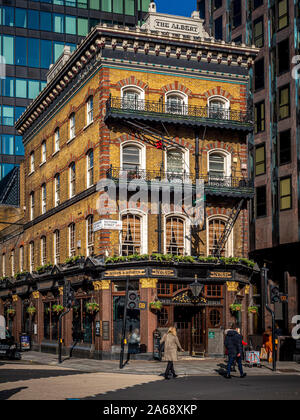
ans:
(57, 309)
(31, 310)
(235, 307)
(156, 305)
(11, 312)
(92, 307)
(252, 309)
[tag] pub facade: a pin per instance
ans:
(135, 171)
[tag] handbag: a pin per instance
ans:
(263, 354)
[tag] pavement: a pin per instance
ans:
(39, 376)
(186, 366)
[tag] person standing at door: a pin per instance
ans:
(234, 346)
(171, 345)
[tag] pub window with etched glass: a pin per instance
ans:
(50, 321)
(82, 324)
(175, 231)
(131, 234)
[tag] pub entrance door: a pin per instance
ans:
(190, 322)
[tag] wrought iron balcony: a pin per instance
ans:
(118, 108)
(226, 185)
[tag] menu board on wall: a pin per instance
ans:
(105, 330)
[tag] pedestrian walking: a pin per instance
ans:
(234, 346)
(171, 347)
(268, 343)
(133, 343)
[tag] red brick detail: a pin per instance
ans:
(132, 80)
(218, 91)
(177, 86)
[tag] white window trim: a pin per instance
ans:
(187, 226)
(4, 265)
(44, 199)
(21, 258)
(56, 254)
(227, 157)
(88, 110)
(182, 95)
(186, 159)
(222, 99)
(31, 257)
(72, 194)
(56, 192)
(87, 235)
(56, 141)
(72, 127)
(142, 153)
(12, 256)
(32, 204)
(144, 229)
(229, 244)
(69, 235)
(32, 163)
(88, 181)
(43, 241)
(43, 152)
(138, 90)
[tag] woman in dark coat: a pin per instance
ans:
(171, 343)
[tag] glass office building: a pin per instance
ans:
(32, 36)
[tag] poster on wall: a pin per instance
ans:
(25, 342)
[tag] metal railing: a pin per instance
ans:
(211, 181)
(177, 111)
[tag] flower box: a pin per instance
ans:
(235, 307)
(253, 309)
(57, 309)
(92, 307)
(31, 310)
(156, 305)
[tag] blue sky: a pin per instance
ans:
(177, 7)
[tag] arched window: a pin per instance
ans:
(90, 168)
(176, 103)
(174, 161)
(132, 98)
(218, 108)
(131, 158)
(90, 235)
(216, 227)
(175, 235)
(131, 234)
(219, 167)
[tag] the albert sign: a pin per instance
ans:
(175, 26)
(107, 224)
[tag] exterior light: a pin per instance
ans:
(196, 288)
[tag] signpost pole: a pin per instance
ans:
(124, 324)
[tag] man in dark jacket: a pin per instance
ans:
(234, 346)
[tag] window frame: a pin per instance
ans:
(90, 236)
(72, 126)
(280, 148)
(265, 202)
(56, 244)
(89, 168)
(289, 177)
(90, 110)
(259, 123)
(56, 190)
(44, 198)
(43, 250)
(280, 107)
(72, 239)
(56, 140)
(72, 180)
(229, 246)
(259, 146)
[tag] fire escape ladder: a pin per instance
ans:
(228, 228)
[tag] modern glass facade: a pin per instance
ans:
(32, 36)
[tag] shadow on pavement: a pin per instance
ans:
(13, 375)
(5, 395)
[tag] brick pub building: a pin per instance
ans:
(160, 103)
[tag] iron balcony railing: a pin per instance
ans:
(210, 181)
(176, 111)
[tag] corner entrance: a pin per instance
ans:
(191, 328)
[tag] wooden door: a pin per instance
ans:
(198, 332)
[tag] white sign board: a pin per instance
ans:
(2, 328)
(107, 224)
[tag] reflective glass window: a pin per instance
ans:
(8, 16)
(8, 87)
(106, 5)
(58, 48)
(59, 2)
(34, 59)
(58, 23)
(21, 18)
(82, 27)
(95, 4)
(46, 54)
(21, 51)
(46, 21)
(70, 3)
(19, 148)
(83, 4)
(33, 20)
(118, 6)
(8, 115)
(7, 145)
(71, 25)
(145, 5)
(33, 88)
(8, 49)
(21, 88)
(19, 111)
(129, 7)
(6, 168)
